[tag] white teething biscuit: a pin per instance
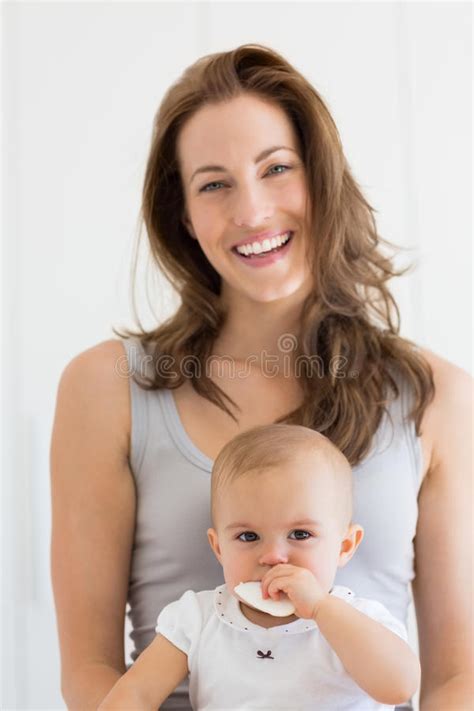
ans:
(251, 594)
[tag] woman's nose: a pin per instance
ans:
(250, 208)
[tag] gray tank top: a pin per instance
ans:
(171, 553)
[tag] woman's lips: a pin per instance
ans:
(262, 260)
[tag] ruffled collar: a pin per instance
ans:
(227, 609)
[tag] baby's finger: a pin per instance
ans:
(281, 583)
(264, 583)
(271, 574)
(266, 580)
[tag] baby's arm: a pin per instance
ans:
(156, 673)
(378, 660)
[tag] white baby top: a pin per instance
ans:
(235, 664)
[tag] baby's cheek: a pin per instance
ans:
(324, 570)
(235, 572)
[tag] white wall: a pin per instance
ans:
(81, 83)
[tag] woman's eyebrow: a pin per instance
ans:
(220, 169)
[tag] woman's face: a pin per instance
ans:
(245, 190)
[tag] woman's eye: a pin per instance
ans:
(247, 537)
(209, 189)
(286, 167)
(204, 189)
(300, 535)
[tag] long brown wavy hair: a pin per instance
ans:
(350, 317)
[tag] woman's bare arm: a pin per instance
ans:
(443, 585)
(93, 512)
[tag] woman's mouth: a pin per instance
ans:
(266, 251)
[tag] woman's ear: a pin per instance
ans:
(214, 543)
(187, 223)
(350, 543)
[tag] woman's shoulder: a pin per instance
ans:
(100, 368)
(452, 383)
(97, 361)
(444, 370)
(450, 411)
(96, 380)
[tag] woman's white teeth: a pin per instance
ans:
(266, 246)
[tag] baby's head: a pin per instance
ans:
(281, 494)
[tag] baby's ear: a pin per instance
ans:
(350, 543)
(214, 543)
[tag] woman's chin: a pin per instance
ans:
(270, 293)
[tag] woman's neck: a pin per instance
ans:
(254, 328)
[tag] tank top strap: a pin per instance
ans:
(400, 408)
(138, 363)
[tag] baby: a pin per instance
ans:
(281, 505)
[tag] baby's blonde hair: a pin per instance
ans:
(267, 446)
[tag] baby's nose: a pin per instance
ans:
(273, 556)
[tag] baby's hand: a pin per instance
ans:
(299, 584)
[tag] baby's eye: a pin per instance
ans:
(300, 535)
(247, 537)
